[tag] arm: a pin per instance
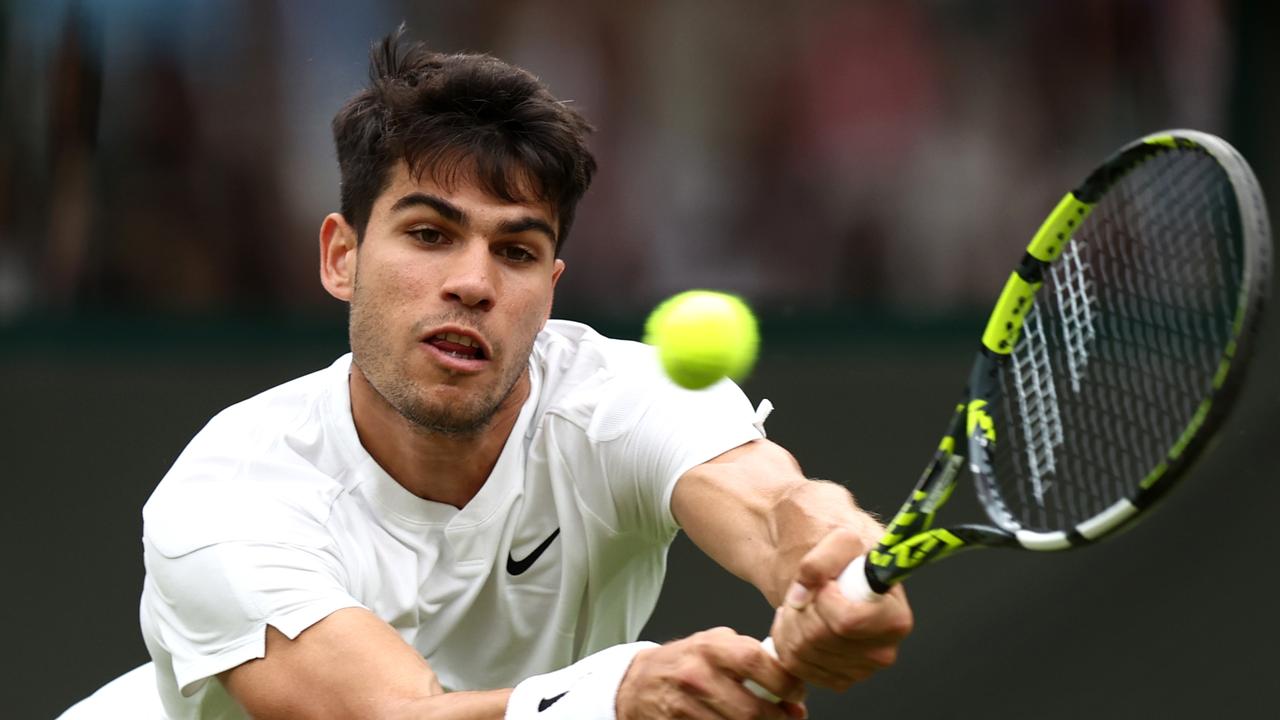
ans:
(753, 503)
(753, 512)
(350, 664)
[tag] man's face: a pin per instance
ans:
(451, 288)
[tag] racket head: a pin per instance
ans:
(1120, 343)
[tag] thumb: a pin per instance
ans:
(823, 563)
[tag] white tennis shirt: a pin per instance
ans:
(276, 515)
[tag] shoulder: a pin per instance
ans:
(570, 353)
(606, 386)
(586, 375)
(272, 412)
(256, 470)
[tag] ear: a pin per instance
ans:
(555, 278)
(555, 273)
(338, 255)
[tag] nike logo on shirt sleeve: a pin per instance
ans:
(517, 567)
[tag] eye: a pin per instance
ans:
(429, 236)
(516, 253)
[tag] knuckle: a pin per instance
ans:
(810, 568)
(847, 624)
(862, 674)
(883, 657)
(691, 681)
(810, 633)
(786, 651)
(902, 625)
(847, 542)
(741, 657)
(719, 633)
(828, 681)
(674, 706)
(706, 640)
(843, 535)
(680, 710)
(792, 688)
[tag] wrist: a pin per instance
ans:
(586, 690)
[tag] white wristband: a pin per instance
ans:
(586, 690)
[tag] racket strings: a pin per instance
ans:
(1121, 344)
(1038, 404)
(1075, 295)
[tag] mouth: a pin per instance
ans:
(459, 350)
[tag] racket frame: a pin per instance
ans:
(911, 540)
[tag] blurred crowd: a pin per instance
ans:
(174, 156)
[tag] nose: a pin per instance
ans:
(470, 279)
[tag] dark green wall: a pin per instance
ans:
(1174, 618)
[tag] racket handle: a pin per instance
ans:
(853, 582)
(853, 585)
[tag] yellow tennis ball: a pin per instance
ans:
(702, 336)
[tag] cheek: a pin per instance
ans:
(393, 288)
(536, 303)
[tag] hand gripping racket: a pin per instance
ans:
(1112, 355)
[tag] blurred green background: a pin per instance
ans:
(863, 172)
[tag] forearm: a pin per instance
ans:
(485, 705)
(806, 513)
(753, 511)
(350, 664)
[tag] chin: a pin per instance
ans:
(433, 420)
(449, 407)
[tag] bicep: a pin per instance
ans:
(350, 664)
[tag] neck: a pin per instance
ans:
(442, 468)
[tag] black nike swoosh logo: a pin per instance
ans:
(517, 567)
(545, 703)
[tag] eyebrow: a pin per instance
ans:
(446, 209)
(457, 216)
(524, 224)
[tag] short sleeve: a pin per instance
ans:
(668, 430)
(208, 609)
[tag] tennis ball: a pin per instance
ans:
(702, 336)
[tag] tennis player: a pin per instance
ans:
(468, 515)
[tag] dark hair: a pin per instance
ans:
(453, 116)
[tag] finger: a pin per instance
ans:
(799, 638)
(693, 680)
(688, 707)
(885, 622)
(798, 711)
(809, 649)
(745, 658)
(836, 642)
(729, 699)
(819, 672)
(822, 563)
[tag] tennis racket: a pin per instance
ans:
(1111, 357)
